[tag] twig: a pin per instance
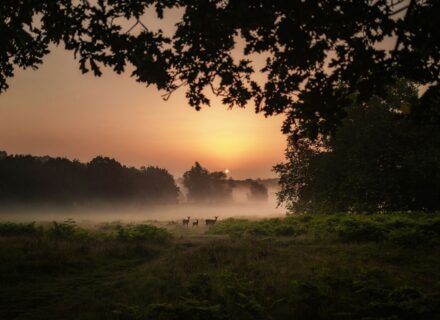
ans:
(398, 10)
(143, 26)
(132, 27)
(400, 34)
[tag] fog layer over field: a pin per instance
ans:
(240, 207)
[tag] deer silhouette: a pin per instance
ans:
(185, 222)
(196, 223)
(210, 222)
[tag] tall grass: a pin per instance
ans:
(406, 229)
(344, 266)
(70, 230)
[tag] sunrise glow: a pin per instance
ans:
(117, 117)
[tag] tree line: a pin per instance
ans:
(26, 179)
(45, 180)
(204, 186)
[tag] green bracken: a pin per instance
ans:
(406, 229)
(343, 266)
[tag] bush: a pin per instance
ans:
(385, 300)
(403, 229)
(143, 232)
(19, 229)
(412, 237)
(268, 227)
(360, 230)
(66, 230)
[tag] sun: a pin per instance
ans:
(226, 171)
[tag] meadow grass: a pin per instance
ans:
(404, 229)
(343, 266)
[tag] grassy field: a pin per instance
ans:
(308, 267)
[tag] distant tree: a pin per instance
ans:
(46, 180)
(106, 178)
(221, 186)
(159, 185)
(205, 186)
(258, 191)
(197, 182)
(311, 48)
(3, 154)
(377, 160)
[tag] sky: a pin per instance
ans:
(58, 111)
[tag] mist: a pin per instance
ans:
(240, 207)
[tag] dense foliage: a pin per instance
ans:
(257, 191)
(142, 232)
(339, 267)
(310, 49)
(402, 229)
(70, 230)
(45, 180)
(378, 160)
(205, 186)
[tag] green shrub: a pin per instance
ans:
(231, 226)
(360, 230)
(412, 237)
(403, 229)
(66, 230)
(143, 232)
(267, 227)
(186, 310)
(384, 300)
(19, 229)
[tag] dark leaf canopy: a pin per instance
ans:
(26, 179)
(317, 53)
(378, 160)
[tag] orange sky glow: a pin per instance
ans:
(57, 111)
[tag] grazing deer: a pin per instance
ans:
(196, 223)
(210, 222)
(186, 221)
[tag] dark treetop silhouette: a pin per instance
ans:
(46, 180)
(312, 49)
(205, 186)
(378, 160)
(258, 191)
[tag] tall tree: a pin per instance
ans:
(311, 48)
(258, 191)
(377, 160)
(205, 186)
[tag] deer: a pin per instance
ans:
(196, 223)
(186, 222)
(210, 222)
